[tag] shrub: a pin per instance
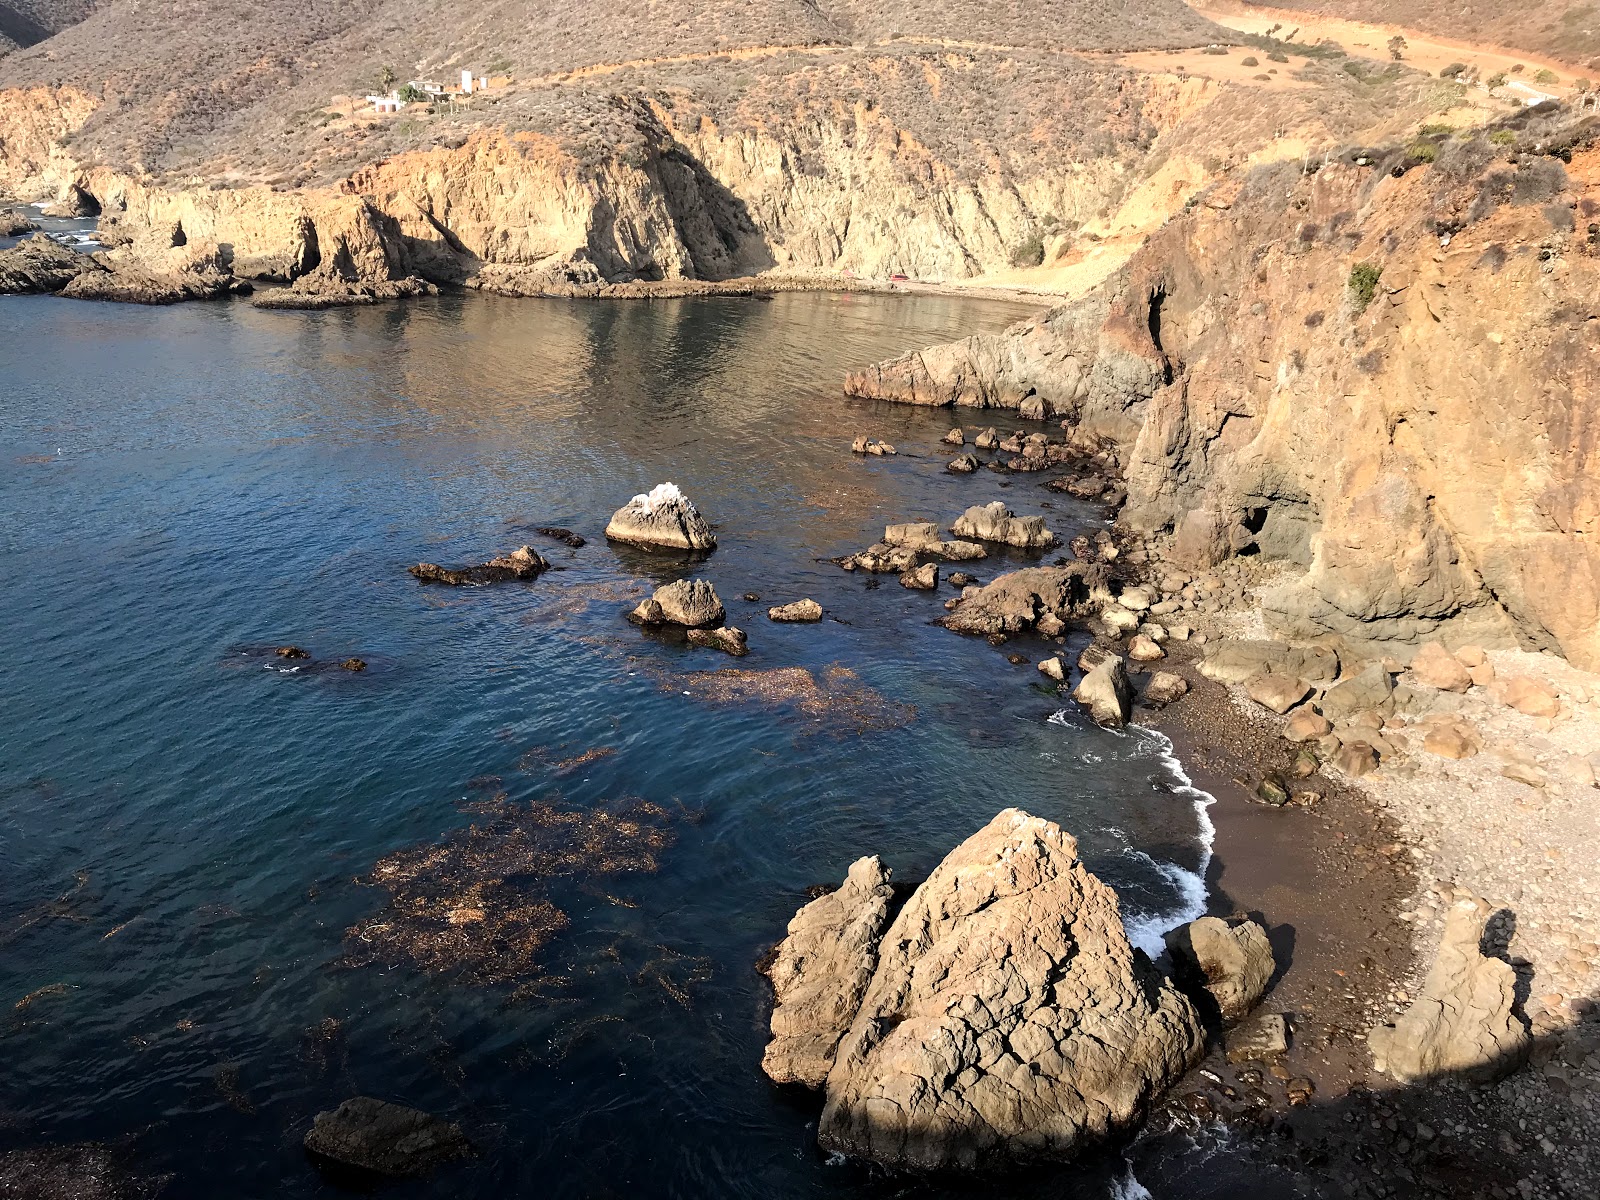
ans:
(1277, 56)
(1502, 137)
(1249, 60)
(413, 95)
(1397, 47)
(1215, 50)
(1029, 252)
(1363, 285)
(1516, 68)
(1424, 152)
(1454, 69)
(1582, 83)
(1545, 75)
(1435, 129)
(1496, 81)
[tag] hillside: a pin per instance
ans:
(1565, 30)
(169, 78)
(28, 22)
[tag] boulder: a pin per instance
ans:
(866, 445)
(1145, 649)
(1135, 599)
(1450, 741)
(955, 437)
(1053, 668)
(1259, 1039)
(1223, 965)
(923, 579)
(1306, 725)
(1370, 691)
(1237, 662)
(522, 563)
(14, 224)
(663, 517)
(385, 1139)
(962, 464)
(800, 610)
(1463, 1025)
(1163, 689)
(820, 972)
(1032, 409)
(1014, 602)
(1436, 667)
(1356, 758)
(1280, 693)
(987, 440)
(1530, 697)
(1008, 1017)
(1106, 692)
(997, 523)
(917, 533)
(1118, 619)
(38, 264)
(692, 603)
(880, 556)
(726, 638)
(956, 551)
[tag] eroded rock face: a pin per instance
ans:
(663, 516)
(692, 603)
(820, 971)
(1229, 961)
(1008, 1017)
(1015, 602)
(995, 522)
(385, 1139)
(1463, 1026)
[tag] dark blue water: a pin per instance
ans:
(184, 820)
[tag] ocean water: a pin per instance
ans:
(188, 823)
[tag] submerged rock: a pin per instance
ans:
(996, 523)
(1464, 1025)
(692, 603)
(555, 532)
(663, 516)
(820, 971)
(924, 578)
(726, 638)
(1008, 1017)
(1105, 691)
(385, 1139)
(962, 464)
(1229, 962)
(522, 563)
(800, 610)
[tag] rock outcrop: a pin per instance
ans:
(1106, 692)
(1015, 602)
(37, 264)
(522, 563)
(662, 517)
(385, 1139)
(14, 224)
(1464, 1026)
(1008, 1018)
(996, 523)
(820, 972)
(1411, 438)
(1226, 963)
(692, 603)
(799, 610)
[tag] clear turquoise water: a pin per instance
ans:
(179, 486)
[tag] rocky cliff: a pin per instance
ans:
(1380, 371)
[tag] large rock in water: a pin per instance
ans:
(1463, 1025)
(1106, 692)
(386, 1139)
(692, 603)
(1230, 962)
(663, 516)
(997, 523)
(1016, 601)
(1008, 1018)
(38, 264)
(821, 970)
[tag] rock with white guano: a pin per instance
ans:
(663, 517)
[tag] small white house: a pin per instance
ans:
(466, 83)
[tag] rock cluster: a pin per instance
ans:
(1019, 601)
(662, 517)
(995, 522)
(1007, 1017)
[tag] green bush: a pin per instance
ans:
(1454, 69)
(1497, 81)
(1424, 152)
(413, 95)
(1363, 285)
(1277, 56)
(1502, 137)
(1435, 129)
(1029, 252)
(1249, 60)
(1545, 75)
(1215, 50)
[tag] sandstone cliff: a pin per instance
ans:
(1420, 446)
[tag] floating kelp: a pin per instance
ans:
(575, 599)
(64, 907)
(475, 904)
(545, 756)
(84, 1171)
(836, 699)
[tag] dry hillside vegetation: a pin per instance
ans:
(186, 77)
(1566, 30)
(28, 22)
